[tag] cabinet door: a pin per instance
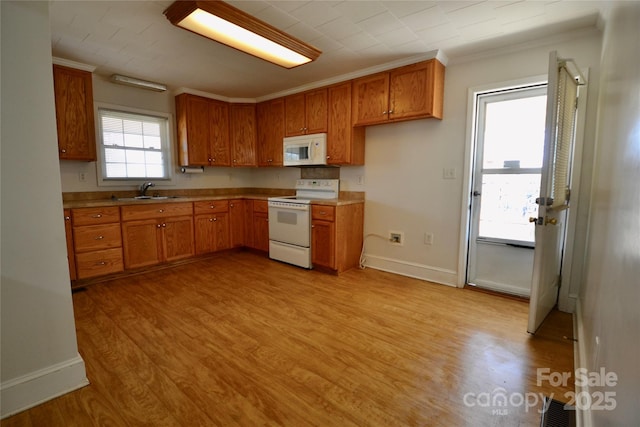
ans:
(204, 234)
(69, 234)
(270, 132)
(261, 231)
(243, 135)
(237, 223)
(294, 115)
(323, 243)
(140, 242)
(370, 99)
(221, 232)
(345, 144)
(74, 113)
(193, 130)
(316, 111)
(220, 143)
(410, 94)
(177, 238)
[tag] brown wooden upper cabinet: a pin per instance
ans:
(345, 143)
(306, 113)
(203, 131)
(74, 114)
(410, 92)
(270, 132)
(243, 135)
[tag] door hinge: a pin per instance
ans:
(544, 201)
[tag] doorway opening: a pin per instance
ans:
(506, 174)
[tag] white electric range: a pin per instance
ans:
(290, 220)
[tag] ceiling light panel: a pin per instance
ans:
(223, 23)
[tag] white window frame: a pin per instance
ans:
(167, 147)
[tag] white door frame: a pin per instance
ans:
(566, 302)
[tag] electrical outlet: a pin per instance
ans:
(82, 177)
(428, 238)
(396, 237)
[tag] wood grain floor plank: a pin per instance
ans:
(239, 340)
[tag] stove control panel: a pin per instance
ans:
(324, 184)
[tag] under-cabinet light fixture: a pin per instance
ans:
(143, 84)
(225, 24)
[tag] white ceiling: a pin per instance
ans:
(134, 37)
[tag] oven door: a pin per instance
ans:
(290, 223)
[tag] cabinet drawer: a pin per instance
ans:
(96, 237)
(95, 216)
(212, 206)
(99, 263)
(327, 213)
(260, 206)
(159, 210)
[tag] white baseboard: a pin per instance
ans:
(37, 387)
(583, 416)
(411, 269)
(503, 287)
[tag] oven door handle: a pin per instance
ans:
(288, 206)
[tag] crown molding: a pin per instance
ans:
(439, 55)
(73, 64)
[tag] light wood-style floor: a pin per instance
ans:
(239, 340)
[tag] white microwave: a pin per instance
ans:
(305, 150)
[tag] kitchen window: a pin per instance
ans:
(133, 145)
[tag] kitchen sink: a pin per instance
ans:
(137, 198)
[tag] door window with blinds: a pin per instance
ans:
(133, 146)
(510, 149)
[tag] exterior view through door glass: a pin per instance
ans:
(509, 144)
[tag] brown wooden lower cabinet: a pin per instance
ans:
(107, 240)
(212, 232)
(211, 226)
(97, 242)
(237, 223)
(151, 234)
(71, 257)
(258, 225)
(336, 236)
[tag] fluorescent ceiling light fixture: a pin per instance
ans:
(224, 23)
(143, 84)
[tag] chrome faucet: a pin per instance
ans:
(144, 187)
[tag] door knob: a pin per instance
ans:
(533, 219)
(552, 221)
(476, 193)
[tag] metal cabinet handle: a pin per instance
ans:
(98, 238)
(158, 225)
(164, 225)
(101, 263)
(96, 216)
(63, 151)
(67, 218)
(160, 210)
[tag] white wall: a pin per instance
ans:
(39, 352)
(403, 180)
(609, 315)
